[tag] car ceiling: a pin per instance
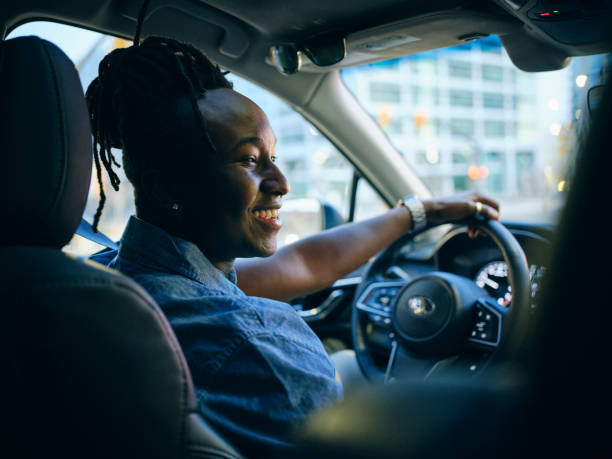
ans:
(238, 34)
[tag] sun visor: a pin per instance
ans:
(414, 35)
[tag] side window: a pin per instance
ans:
(368, 202)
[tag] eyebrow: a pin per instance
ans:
(245, 140)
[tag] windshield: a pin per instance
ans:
(465, 118)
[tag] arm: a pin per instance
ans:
(319, 260)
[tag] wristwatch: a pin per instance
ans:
(417, 211)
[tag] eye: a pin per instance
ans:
(249, 160)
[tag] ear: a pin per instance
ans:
(159, 189)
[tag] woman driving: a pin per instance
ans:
(202, 160)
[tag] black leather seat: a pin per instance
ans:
(90, 366)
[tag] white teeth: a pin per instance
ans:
(266, 213)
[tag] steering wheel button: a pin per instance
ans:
(376, 318)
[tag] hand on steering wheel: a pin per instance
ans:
(460, 206)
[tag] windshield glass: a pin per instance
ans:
(465, 118)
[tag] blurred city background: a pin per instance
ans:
(463, 118)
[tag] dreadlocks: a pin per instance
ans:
(140, 102)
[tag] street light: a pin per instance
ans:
(581, 80)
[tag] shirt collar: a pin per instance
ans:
(148, 244)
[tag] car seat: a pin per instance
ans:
(91, 367)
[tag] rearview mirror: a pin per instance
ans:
(322, 50)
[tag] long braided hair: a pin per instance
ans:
(145, 102)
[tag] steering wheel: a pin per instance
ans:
(438, 319)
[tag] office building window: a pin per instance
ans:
(384, 92)
(494, 128)
(461, 183)
(462, 127)
(495, 183)
(461, 157)
(492, 72)
(460, 69)
(495, 158)
(461, 98)
(492, 100)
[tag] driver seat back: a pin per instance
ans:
(91, 367)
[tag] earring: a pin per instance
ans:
(175, 206)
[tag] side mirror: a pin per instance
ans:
(305, 216)
(594, 97)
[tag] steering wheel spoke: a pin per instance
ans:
(487, 328)
(404, 365)
(377, 298)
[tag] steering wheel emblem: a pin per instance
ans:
(421, 306)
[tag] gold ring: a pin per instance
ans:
(478, 208)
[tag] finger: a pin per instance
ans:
(486, 200)
(485, 211)
(489, 212)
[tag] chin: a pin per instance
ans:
(266, 250)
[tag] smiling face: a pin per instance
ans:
(234, 211)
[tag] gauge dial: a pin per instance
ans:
(493, 277)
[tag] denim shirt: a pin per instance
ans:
(257, 367)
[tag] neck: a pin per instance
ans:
(224, 266)
(222, 262)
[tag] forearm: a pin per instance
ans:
(317, 261)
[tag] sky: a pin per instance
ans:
(75, 42)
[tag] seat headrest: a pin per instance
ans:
(46, 144)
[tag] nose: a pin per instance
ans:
(274, 181)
